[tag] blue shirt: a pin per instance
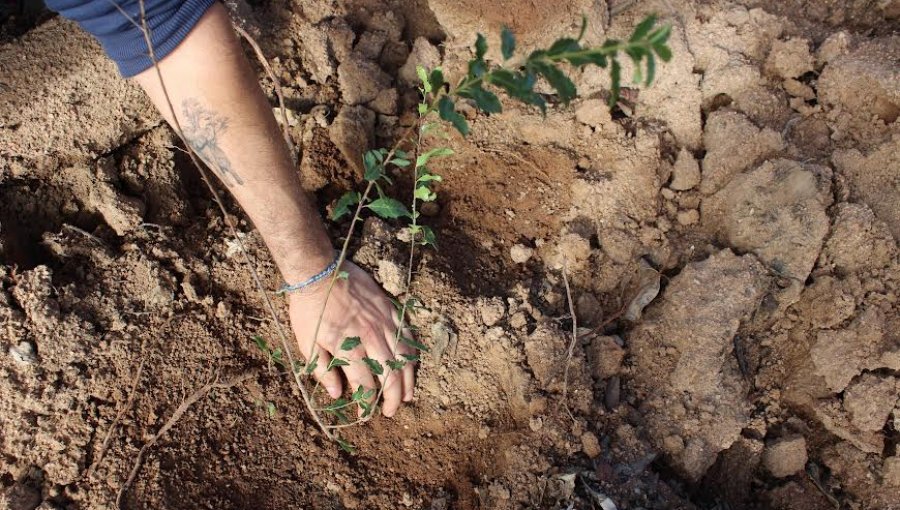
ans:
(169, 22)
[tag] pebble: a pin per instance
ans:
(590, 445)
(23, 354)
(688, 217)
(786, 456)
(520, 253)
(667, 193)
(686, 172)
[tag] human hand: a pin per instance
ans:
(357, 307)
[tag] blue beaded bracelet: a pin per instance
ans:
(288, 288)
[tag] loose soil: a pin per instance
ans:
(750, 196)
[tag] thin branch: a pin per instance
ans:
(571, 350)
(191, 399)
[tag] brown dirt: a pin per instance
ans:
(765, 375)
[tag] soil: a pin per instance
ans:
(750, 196)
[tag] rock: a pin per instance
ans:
(370, 44)
(361, 80)
(799, 89)
(443, 337)
(688, 217)
(392, 277)
(872, 179)
(833, 47)
(605, 357)
(353, 133)
(647, 286)
(686, 172)
(776, 211)
(491, 311)
(785, 457)
(684, 344)
(870, 401)
(23, 354)
(891, 471)
(858, 240)
(789, 59)
(733, 144)
(840, 355)
(423, 54)
(385, 102)
(20, 497)
(590, 445)
(520, 254)
(594, 113)
(873, 67)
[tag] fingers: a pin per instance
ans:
(357, 373)
(330, 379)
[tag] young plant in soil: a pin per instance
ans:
(438, 106)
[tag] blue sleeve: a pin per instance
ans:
(169, 21)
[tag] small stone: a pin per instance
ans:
(423, 54)
(391, 277)
(590, 445)
(870, 401)
(491, 311)
(385, 102)
(593, 113)
(799, 89)
(520, 253)
(353, 133)
(23, 354)
(536, 423)
(836, 45)
(667, 193)
(789, 59)
(786, 456)
(891, 471)
(443, 338)
(686, 172)
(518, 320)
(360, 80)
(688, 217)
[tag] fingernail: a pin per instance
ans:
(333, 391)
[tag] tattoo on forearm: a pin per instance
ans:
(202, 128)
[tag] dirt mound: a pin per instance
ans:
(750, 197)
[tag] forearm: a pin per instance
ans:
(225, 117)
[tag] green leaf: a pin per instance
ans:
(347, 447)
(587, 57)
(564, 45)
(362, 393)
(424, 194)
(663, 51)
(388, 208)
(558, 80)
(423, 109)
(615, 73)
(336, 362)
(423, 77)
(372, 161)
(651, 69)
(660, 35)
(343, 275)
(643, 28)
(447, 111)
(271, 409)
(337, 404)
(402, 163)
(437, 78)
(584, 25)
(507, 43)
(428, 177)
(520, 86)
(485, 100)
(481, 47)
(350, 343)
(410, 357)
(311, 367)
(414, 344)
(373, 365)
(428, 237)
(343, 204)
(261, 343)
(396, 364)
(437, 152)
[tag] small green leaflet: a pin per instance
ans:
(337, 362)
(414, 344)
(373, 365)
(336, 405)
(507, 43)
(410, 357)
(447, 111)
(347, 447)
(388, 208)
(362, 393)
(437, 152)
(313, 364)
(350, 343)
(481, 47)
(423, 77)
(396, 364)
(643, 28)
(616, 78)
(343, 204)
(424, 194)
(261, 343)
(343, 275)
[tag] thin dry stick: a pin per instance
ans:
(128, 402)
(265, 63)
(279, 327)
(571, 350)
(191, 399)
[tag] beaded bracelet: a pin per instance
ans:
(288, 288)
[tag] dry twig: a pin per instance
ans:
(565, 391)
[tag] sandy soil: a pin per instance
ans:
(755, 188)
